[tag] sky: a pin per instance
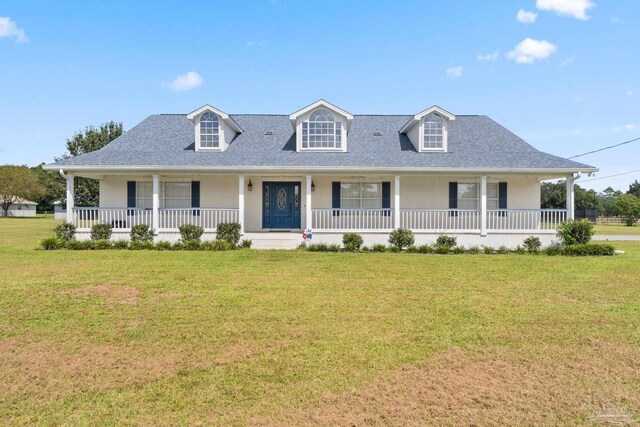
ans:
(562, 74)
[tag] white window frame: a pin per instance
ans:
(360, 192)
(493, 196)
(337, 131)
(425, 126)
(215, 133)
(142, 187)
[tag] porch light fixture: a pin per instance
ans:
(250, 186)
(313, 186)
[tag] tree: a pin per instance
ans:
(55, 188)
(628, 207)
(634, 188)
(87, 190)
(607, 197)
(553, 196)
(18, 182)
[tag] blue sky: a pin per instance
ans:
(574, 86)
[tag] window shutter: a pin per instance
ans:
(502, 197)
(335, 197)
(195, 197)
(131, 196)
(386, 198)
(453, 198)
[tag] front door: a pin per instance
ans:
(281, 205)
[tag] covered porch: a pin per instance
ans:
(324, 203)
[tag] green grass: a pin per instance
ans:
(617, 230)
(298, 338)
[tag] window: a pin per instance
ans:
(321, 131)
(361, 195)
(433, 132)
(172, 194)
(209, 133)
(469, 195)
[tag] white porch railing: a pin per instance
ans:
(440, 219)
(118, 218)
(525, 219)
(352, 219)
(207, 218)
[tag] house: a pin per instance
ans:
(326, 170)
(21, 208)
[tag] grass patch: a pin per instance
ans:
(617, 230)
(302, 338)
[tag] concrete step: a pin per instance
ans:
(274, 240)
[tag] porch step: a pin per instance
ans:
(274, 240)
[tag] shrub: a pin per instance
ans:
(141, 233)
(334, 247)
(192, 245)
(487, 250)
(425, 249)
(317, 247)
(413, 249)
(190, 232)
(229, 232)
(592, 249)
(378, 248)
(51, 243)
(77, 245)
(458, 250)
(163, 246)
(520, 250)
(575, 232)
(365, 249)
(120, 244)
(246, 244)
(101, 244)
(503, 250)
(140, 245)
(441, 249)
(223, 245)
(401, 238)
(352, 242)
(177, 246)
(473, 250)
(101, 231)
(65, 232)
(553, 250)
(446, 241)
(532, 244)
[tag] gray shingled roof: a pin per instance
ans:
(475, 142)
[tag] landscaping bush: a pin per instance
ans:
(441, 249)
(101, 244)
(458, 250)
(192, 245)
(141, 245)
(246, 244)
(352, 242)
(446, 241)
(503, 250)
(425, 249)
(65, 232)
(229, 232)
(488, 250)
(591, 249)
(532, 244)
(521, 250)
(101, 231)
(77, 245)
(378, 248)
(141, 233)
(413, 249)
(575, 232)
(401, 238)
(553, 250)
(317, 247)
(120, 244)
(189, 232)
(51, 243)
(177, 246)
(163, 246)
(473, 250)
(216, 245)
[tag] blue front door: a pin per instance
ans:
(281, 205)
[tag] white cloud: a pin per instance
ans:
(185, 82)
(9, 28)
(455, 72)
(489, 56)
(629, 93)
(530, 50)
(254, 43)
(628, 126)
(575, 8)
(526, 17)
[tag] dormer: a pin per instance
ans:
(428, 130)
(321, 126)
(214, 129)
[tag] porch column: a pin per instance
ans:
(396, 202)
(70, 196)
(241, 202)
(308, 203)
(483, 205)
(570, 197)
(155, 215)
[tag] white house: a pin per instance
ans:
(327, 170)
(21, 208)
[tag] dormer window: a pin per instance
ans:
(321, 131)
(209, 131)
(434, 129)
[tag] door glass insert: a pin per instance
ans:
(282, 199)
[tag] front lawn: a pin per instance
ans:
(617, 230)
(300, 338)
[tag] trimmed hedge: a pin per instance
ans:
(101, 231)
(401, 238)
(65, 231)
(141, 233)
(190, 232)
(591, 249)
(229, 232)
